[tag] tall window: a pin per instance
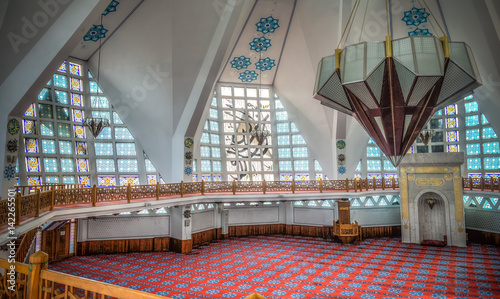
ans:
(59, 149)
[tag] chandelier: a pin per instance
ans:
(96, 124)
(393, 87)
(426, 136)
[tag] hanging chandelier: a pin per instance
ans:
(95, 125)
(394, 87)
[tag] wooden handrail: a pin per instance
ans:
(25, 244)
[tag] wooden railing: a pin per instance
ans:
(25, 244)
(46, 187)
(482, 184)
(37, 281)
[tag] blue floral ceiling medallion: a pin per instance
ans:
(9, 172)
(266, 25)
(188, 170)
(420, 32)
(342, 170)
(260, 44)
(241, 62)
(248, 76)
(111, 7)
(415, 16)
(265, 64)
(95, 33)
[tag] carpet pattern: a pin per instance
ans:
(301, 267)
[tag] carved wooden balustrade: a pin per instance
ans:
(488, 184)
(25, 244)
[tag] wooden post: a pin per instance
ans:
(18, 208)
(347, 185)
(393, 183)
(482, 184)
(320, 186)
(157, 190)
(202, 187)
(470, 183)
(293, 186)
(129, 193)
(94, 195)
(234, 187)
(366, 181)
(37, 213)
(355, 184)
(38, 262)
(182, 188)
(264, 186)
(374, 183)
(383, 183)
(53, 201)
(492, 183)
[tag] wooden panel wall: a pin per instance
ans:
(380, 231)
(181, 246)
(206, 236)
(56, 243)
(123, 246)
(476, 236)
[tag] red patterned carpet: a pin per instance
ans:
(300, 267)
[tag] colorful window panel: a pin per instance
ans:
(214, 138)
(285, 177)
(32, 164)
(75, 69)
(52, 179)
(62, 113)
(217, 166)
(283, 140)
(215, 152)
(31, 145)
(453, 148)
(149, 166)
(284, 152)
(472, 120)
(390, 176)
(473, 149)
(103, 149)
(76, 84)
(94, 88)
(45, 111)
(451, 122)
(484, 121)
(61, 97)
(65, 147)
(298, 139)
(488, 133)
(451, 110)
(281, 115)
(106, 180)
(76, 99)
(302, 177)
(388, 166)
(207, 178)
(300, 152)
(84, 180)
(67, 165)
(80, 148)
(78, 115)
(472, 134)
(105, 134)
(126, 180)
(151, 179)
(301, 165)
(50, 164)
(48, 146)
(491, 147)
(69, 180)
(374, 165)
(126, 149)
(99, 102)
(62, 68)
(123, 134)
(30, 111)
(373, 151)
(105, 165)
(474, 163)
(377, 176)
(47, 128)
(206, 166)
(127, 165)
(34, 180)
(471, 107)
(60, 81)
(79, 131)
(452, 136)
(205, 151)
(116, 119)
(492, 163)
(102, 114)
(285, 165)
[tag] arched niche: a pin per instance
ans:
(432, 218)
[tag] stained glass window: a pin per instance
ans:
(284, 152)
(67, 165)
(149, 166)
(105, 133)
(50, 164)
(126, 149)
(300, 152)
(62, 113)
(452, 136)
(131, 180)
(471, 107)
(82, 165)
(388, 166)
(285, 165)
(205, 138)
(102, 114)
(103, 149)
(75, 69)
(206, 166)
(94, 88)
(491, 147)
(373, 151)
(79, 131)
(484, 121)
(61, 97)
(80, 147)
(472, 134)
(45, 111)
(225, 91)
(84, 180)
(281, 115)
(217, 166)
(32, 164)
(436, 123)
(52, 179)
(116, 119)
(105, 165)
(374, 165)
(29, 127)
(214, 113)
(283, 140)
(78, 115)
(278, 104)
(214, 125)
(48, 146)
(31, 145)
(474, 163)
(34, 180)
(472, 120)
(205, 151)
(488, 133)
(62, 68)
(451, 110)
(127, 165)
(65, 147)
(298, 139)
(214, 138)
(451, 122)
(30, 111)
(99, 102)
(123, 134)
(492, 163)
(301, 165)
(215, 152)
(76, 100)
(473, 149)
(47, 128)
(106, 180)
(453, 148)
(76, 84)
(69, 180)
(60, 81)
(152, 181)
